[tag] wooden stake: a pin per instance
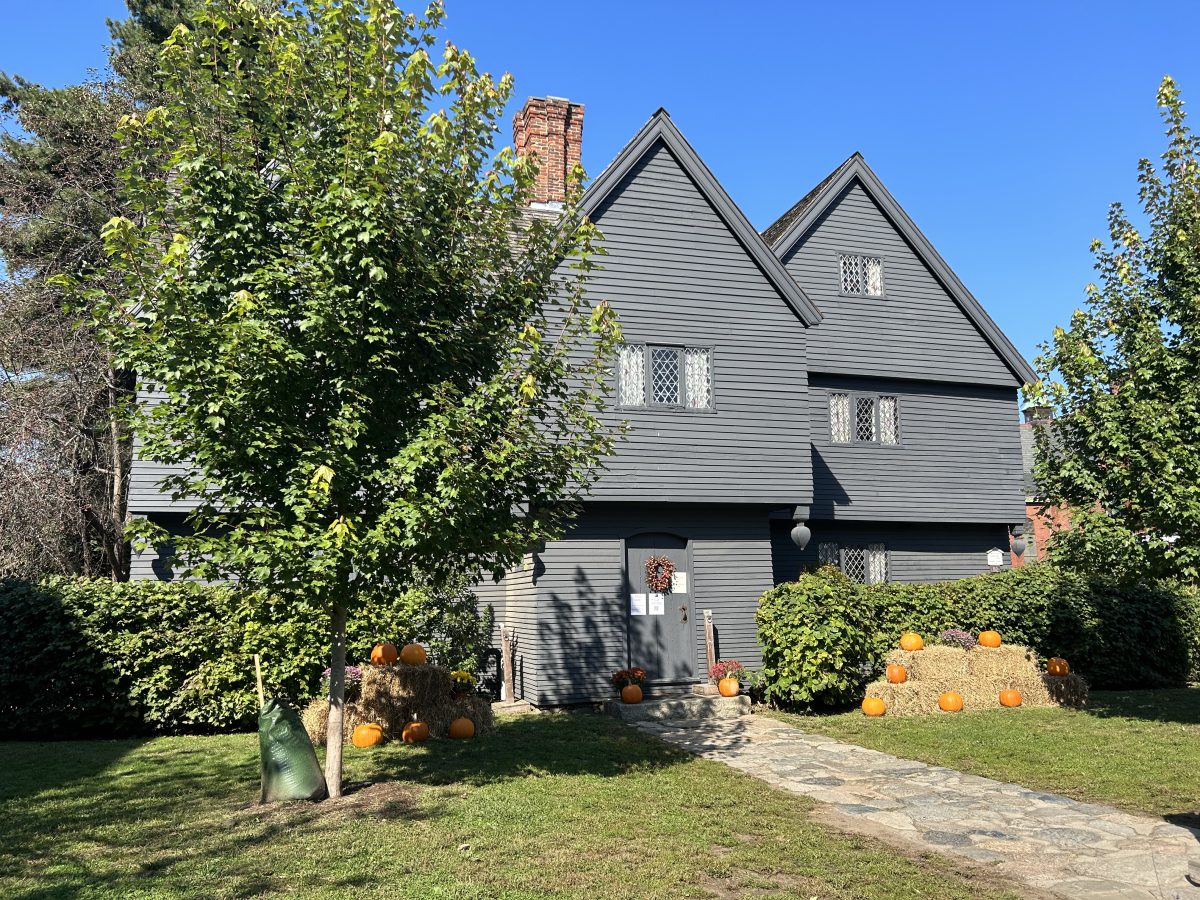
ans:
(262, 698)
(506, 664)
(710, 639)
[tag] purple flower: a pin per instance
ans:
(956, 637)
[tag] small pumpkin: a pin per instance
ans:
(873, 707)
(461, 729)
(1057, 666)
(632, 693)
(989, 639)
(896, 674)
(951, 701)
(1010, 698)
(729, 687)
(413, 655)
(415, 733)
(383, 654)
(368, 735)
(911, 641)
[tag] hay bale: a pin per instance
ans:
(978, 675)
(393, 696)
(1066, 690)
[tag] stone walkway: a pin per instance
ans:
(1051, 843)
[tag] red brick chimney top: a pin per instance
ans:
(550, 128)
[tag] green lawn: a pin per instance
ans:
(1139, 750)
(549, 806)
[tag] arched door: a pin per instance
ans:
(661, 626)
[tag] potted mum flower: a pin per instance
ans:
(463, 682)
(727, 673)
(629, 682)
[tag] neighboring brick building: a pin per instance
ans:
(1039, 525)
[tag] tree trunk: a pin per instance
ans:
(337, 697)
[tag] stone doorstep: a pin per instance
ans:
(693, 707)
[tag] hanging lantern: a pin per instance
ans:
(1018, 540)
(801, 535)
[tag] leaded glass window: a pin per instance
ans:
(839, 418)
(631, 375)
(877, 564)
(854, 563)
(698, 372)
(864, 418)
(861, 275)
(665, 383)
(827, 554)
(889, 420)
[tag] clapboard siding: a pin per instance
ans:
(916, 331)
(583, 593)
(917, 551)
(145, 475)
(959, 457)
(676, 274)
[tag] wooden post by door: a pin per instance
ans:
(506, 664)
(710, 640)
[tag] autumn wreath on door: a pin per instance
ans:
(659, 571)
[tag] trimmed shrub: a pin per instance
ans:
(92, 657)
(816, 642)
(1118, 636)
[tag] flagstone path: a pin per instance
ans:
(1051, 843)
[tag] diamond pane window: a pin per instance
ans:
(827, 554)
(665, 383)
(839, 418)
(861, 275)
(854, 563)
(631, 375)
(698, 372)
(889, 420)
(864, 418)
(877, 563)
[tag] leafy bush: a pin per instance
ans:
(90, 657)
(1118, 636)
(816, 640)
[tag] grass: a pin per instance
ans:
(549, 806)
(1138, 750)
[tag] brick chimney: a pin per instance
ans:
(550, 128)
(1038, 415)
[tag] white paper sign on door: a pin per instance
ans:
(658, 604)
(637, 604)
(679, 583)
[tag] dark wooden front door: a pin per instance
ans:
(661, 630)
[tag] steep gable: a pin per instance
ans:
(927, 326)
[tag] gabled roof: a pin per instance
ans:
(660, 129)
(789, 228)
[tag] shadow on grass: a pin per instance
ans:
(1180, 706)
(530, 746)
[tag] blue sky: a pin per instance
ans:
(1004, 129)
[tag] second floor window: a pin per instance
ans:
(652, 375)
(862, 275)
(864, 418)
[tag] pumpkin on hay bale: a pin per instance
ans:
(396, 695)
(978, 675)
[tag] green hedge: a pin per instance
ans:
(90, 657)
(1117, 636)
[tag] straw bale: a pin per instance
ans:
(936, 663)
(393, 696)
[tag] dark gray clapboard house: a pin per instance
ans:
(832, 370)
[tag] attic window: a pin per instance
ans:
(862, 276)
(650, 375)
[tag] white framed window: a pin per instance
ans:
(864, 564)
(861, 275)
(650, 375)
(864, 418)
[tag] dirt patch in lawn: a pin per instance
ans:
(378, 799)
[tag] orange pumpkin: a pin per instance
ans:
(873, 706)
(911, 641)
(461, 729)
(414, 733)
(367, 736)
(413, 655)
(989, 639)
(1010, 698)
(897, 674)
(729, 687)
(632, 693)
(1057, 666)
(383, 654)
(951, 701)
